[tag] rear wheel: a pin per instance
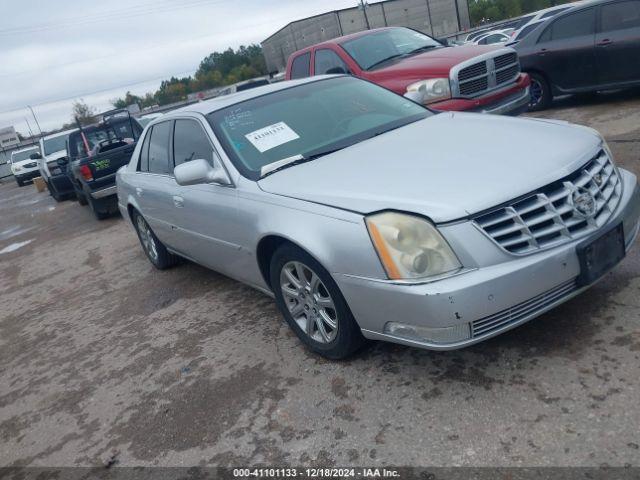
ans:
(156, 252)
(100, 208)
(540, 93)
(312, 304)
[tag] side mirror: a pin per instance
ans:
(443, 41)
(198, 172)
(62, 162)
(336, 71)
(35, 156)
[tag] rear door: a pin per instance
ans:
(154, 184)
(205, 215)
(618, 42)
(566, 50)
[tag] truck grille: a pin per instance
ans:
(549, 217)
(493, 71)
(513, 315)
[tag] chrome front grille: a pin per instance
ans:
(518, 312)
(485, 73)
(549, 217)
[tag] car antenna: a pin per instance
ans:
(84, 138)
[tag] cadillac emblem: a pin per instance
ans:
(584, 202)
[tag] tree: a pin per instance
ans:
(83, 112)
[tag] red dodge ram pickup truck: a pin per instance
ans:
(468, 78)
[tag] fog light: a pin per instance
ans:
(453, 334)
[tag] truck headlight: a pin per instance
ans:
(410, 247)
(429, 91)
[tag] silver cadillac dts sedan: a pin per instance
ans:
(368, 216)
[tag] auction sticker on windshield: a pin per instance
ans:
(272, 136)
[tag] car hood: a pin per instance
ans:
(445, 167)
(432, 63)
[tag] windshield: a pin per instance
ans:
(120, 130)
(307, 120)
(55, 144)
(376, 48)
(24, 155)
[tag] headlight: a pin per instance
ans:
(410, 247)
(429, 91)
(17, 168)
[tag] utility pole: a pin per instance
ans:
(363, 6)
(35, 118)
(29, 127)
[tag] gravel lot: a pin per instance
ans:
(104, 358)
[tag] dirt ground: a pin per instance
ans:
(103, 358)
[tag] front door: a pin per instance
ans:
(205, 216)
(618, 42)
(566, 50)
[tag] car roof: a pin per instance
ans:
(59, 134)
(344, 38)
(218, 103)
(34, 147)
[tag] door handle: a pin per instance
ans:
(604, 43)
(139, 191)
(542, 52)
(178, 201)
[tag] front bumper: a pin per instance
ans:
(489, 300)
(23, 176)
(509, 101)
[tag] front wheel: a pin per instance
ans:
(156, 252)
(312, 304)
(540, 93)
(19, 182)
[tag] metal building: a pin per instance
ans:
(437, 18)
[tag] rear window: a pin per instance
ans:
(620, 16)
(159, 148)
(300, 66)
(118, 133)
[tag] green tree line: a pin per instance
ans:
(216, 70)
(488, 11)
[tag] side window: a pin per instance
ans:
(143, 165)
(159, 148)
(574, 25)
(190, 142)
(620, 16)
(300, 66)
(326, 60)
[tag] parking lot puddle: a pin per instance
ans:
(15, 246)
(13, 232)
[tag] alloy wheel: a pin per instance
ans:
(146, 237)
(309, 302)
(536, 93)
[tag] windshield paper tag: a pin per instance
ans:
(272, 136)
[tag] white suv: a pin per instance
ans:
(24, 164)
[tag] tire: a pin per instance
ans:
(153, 248)
(82, 198)
(540, 92)
(100, 208)
(19, 182)
(315, 310)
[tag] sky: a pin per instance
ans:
(53, 52)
